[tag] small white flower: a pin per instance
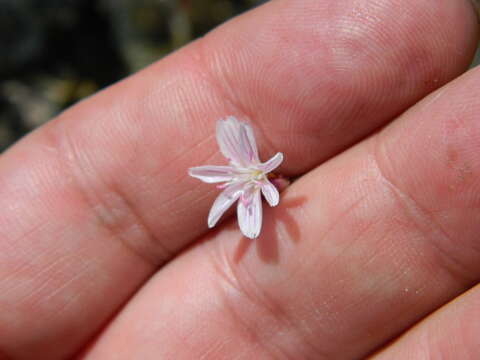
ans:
(244, 178)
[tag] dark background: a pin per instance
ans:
(55, 52)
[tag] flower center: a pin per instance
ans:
(256, 174)
(252, 175)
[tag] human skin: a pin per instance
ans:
(104, 248)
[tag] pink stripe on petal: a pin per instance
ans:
(249, 214)
(270, 193)
(248, 142)
(272, 164)
(226, 142)
(226, 198)
(236, 142)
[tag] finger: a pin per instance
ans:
(101, 197)
(451, 333)
(357, 251)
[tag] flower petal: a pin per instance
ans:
(270, 193)
(272, 164)
(236, 142)
(212, 174)
(226, 198)
(249, 213)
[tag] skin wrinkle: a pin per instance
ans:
(33, 260)
(247, 331)
(177, 198)
(72, 279)
(272, 348)
(261, 299)
(338, 258)
(88, 266)
(351, 244)
(174, 161)
(114, 225)
(46, 283)
(225, 267)
(213, 349)
(12, 244)
(196, 186)
(161, 252)
(199, 144)
(335, 224)
(454, 266)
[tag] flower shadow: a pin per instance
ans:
(267, 242)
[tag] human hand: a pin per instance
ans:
(104, 250)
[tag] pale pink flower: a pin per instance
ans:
(244, 179)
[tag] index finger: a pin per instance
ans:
(96, 200)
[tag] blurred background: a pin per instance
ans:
(56, 52)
